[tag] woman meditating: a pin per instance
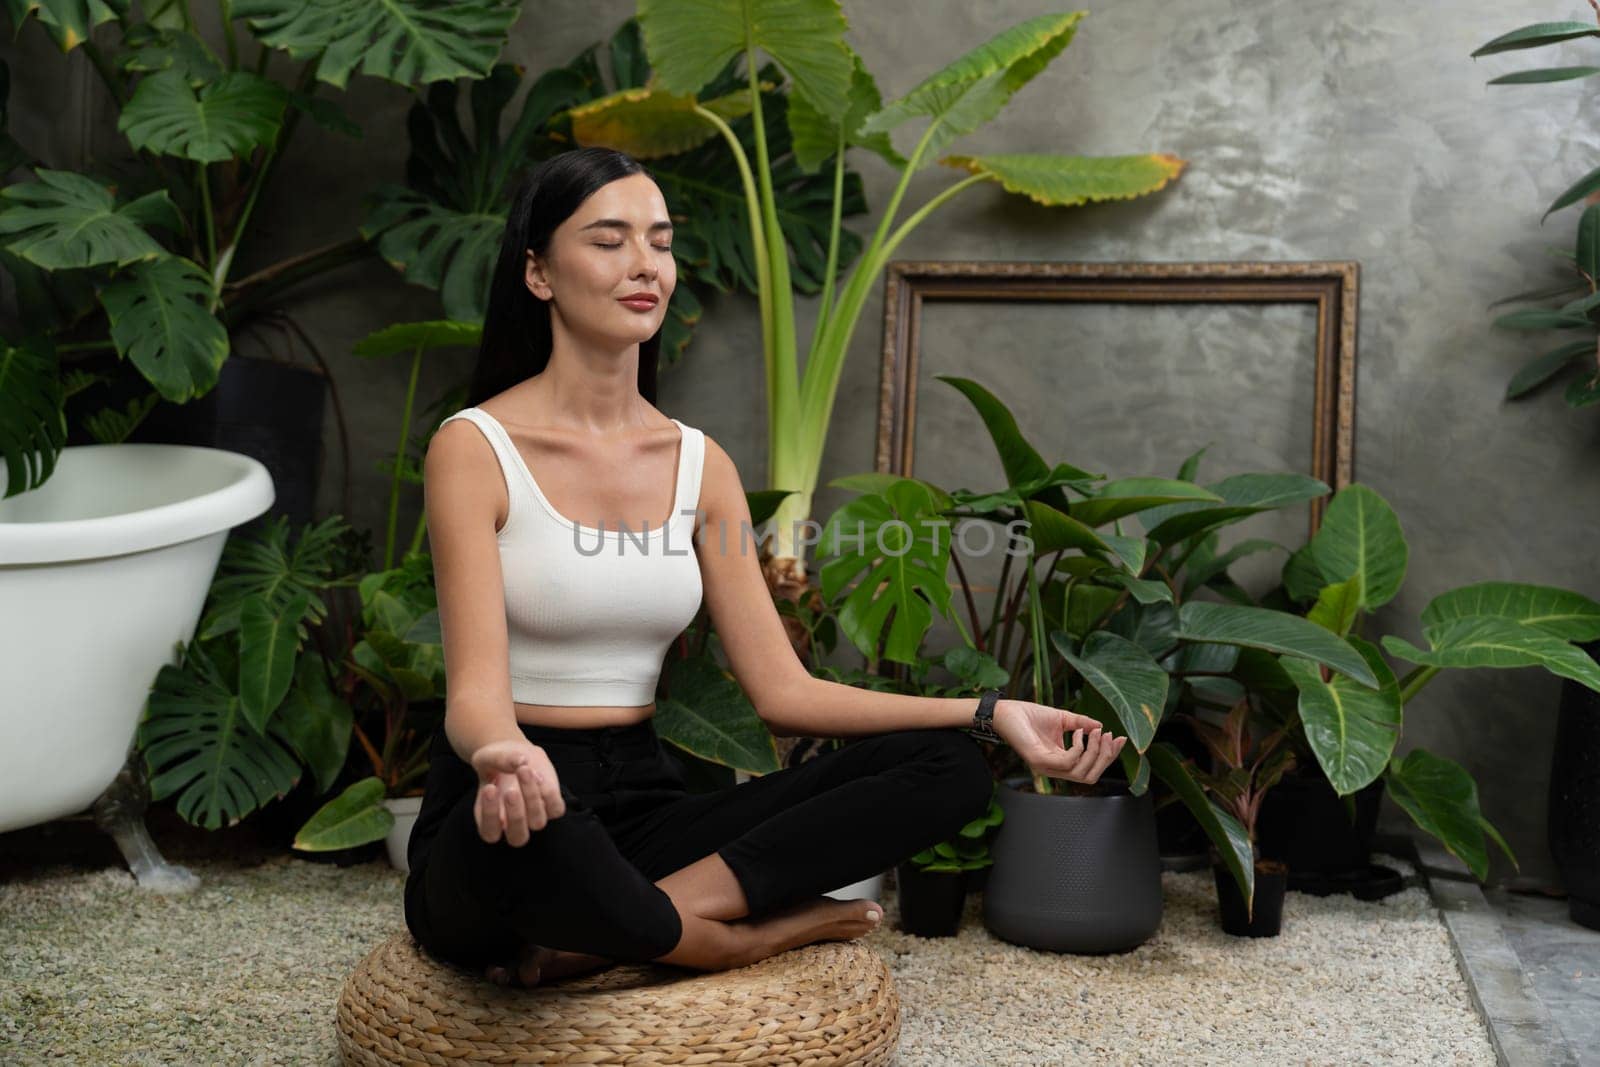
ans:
(575, 530)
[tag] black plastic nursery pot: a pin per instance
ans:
(1573, 819)
(1072, 873)
(1304, 825)
(930, 901)
(1266, 919)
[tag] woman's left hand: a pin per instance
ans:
(1035, 731)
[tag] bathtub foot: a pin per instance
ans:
(119, 811)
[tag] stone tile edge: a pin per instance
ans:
(1520, 1026)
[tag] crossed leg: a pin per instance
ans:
(711, 881)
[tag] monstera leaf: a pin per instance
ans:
(409, 42)
(262, 564)
(33, 425)
(221, 119)
(67, 21)
(160, 323)
(896, 537)
(198, 744)
(66, 220)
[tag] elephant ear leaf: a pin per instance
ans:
(690, 44)
(199, 745)
(1067, 181)
(973, 89)
(815, 137)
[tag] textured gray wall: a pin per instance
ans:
(1354, 131)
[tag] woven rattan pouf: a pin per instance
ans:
(831, 1003)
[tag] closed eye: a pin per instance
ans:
(658, 248)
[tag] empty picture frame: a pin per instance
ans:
(1325, 293)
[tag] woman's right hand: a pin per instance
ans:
(518, 790)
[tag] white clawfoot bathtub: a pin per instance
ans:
(103, 572)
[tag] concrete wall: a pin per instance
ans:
(1355, 131)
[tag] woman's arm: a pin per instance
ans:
(463, 495)
(788, 697)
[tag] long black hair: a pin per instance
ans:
(516, 328)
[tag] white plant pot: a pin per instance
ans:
(404, 810)
(103, 571)
(866, 889)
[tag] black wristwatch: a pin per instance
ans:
(983, 719)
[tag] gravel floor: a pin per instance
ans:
(247, 970)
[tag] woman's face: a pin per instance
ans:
(617, 244)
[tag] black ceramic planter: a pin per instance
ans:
(930, 901)
(1266, 918)
(1573, 820)
(1074, 873)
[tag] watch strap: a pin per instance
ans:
(983, 719)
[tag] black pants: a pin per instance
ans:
(585, 882)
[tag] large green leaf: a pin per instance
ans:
(437, 245)
(409, 42)
(198, 744)
(1360, 538)
(1442, 799)
(1273, 631)
(261, 562)
(1129, 679)
(650, 123)
(160, 323)
(426, 334)
(690, 43)
(33, 422)
(1542, 368)
(1536, 36)
(1558, 612)
(354, 817)
(1127, 496)
(1542, 75)
(707, 714)
(1243, 495)
(1352, 728)
(972, 90)
(1065, 181)
(1337, 606)
(316, 721)
(817, 137)
(899, 546)
(67, 21)
(223, 119)
(1488, 641)
(67, 220)
(268, 646)
(1019, 459)
(1231, 839)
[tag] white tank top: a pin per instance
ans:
(591, 612)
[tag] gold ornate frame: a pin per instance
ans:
(1330, 285)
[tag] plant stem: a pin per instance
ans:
(1413, 682)
(400, 458)
(833, 243)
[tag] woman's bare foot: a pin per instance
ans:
(821, 918)
(537, 964)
